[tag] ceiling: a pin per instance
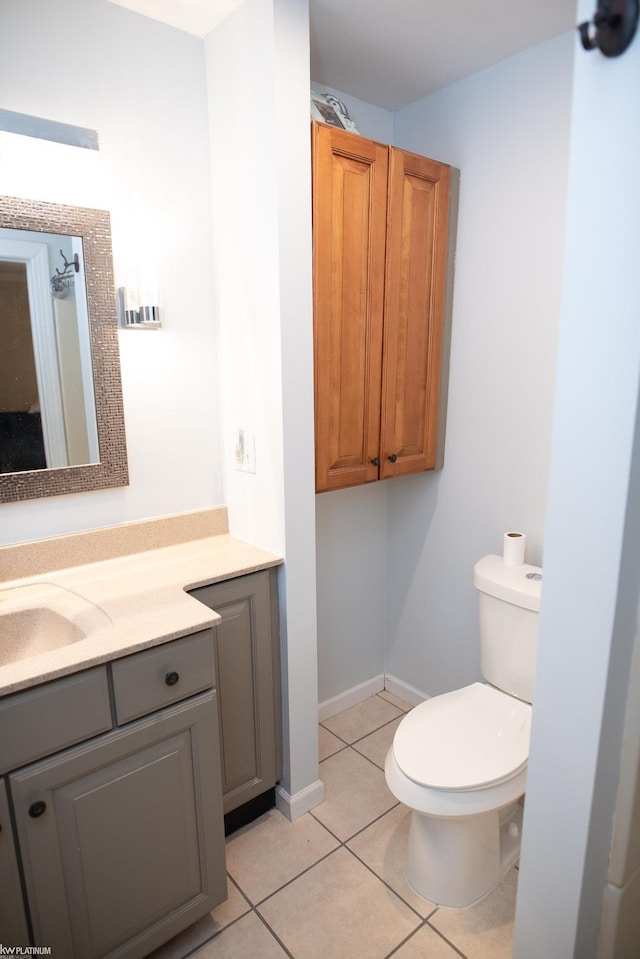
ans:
(393, 52)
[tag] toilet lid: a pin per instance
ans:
(467, 739)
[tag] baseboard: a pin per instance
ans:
(357, 694)
(350, 697)
(399, 688)
(297, 805)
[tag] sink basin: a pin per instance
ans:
(42, 617)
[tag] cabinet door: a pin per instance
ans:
(417, 226)
(349, 214)
(247, 685)
(122, 838)
(13, 922)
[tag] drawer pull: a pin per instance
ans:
(36, 809)
(171, 678)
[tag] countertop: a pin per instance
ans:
(142, 601)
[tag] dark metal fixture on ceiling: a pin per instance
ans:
(613, 27)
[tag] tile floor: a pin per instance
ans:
(331, 883)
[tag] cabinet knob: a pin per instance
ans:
(171, 678)
(393, 458)
(37, 808)
(375, 461)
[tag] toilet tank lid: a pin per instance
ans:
(519, 585)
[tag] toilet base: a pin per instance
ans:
(456, 862)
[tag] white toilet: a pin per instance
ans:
(459, 760)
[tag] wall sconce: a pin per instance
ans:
(139, 309)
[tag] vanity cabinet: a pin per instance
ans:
(120, 835)
(247, 665)
(14, 920)
(380, 250)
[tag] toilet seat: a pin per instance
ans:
(471, 738)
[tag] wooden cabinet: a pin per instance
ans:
(247, 665)
(380, 231)
(120, 836)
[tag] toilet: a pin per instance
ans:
(459, 760)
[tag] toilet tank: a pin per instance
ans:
(508, 608)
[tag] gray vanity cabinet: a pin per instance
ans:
(247, 664)
(120, 835)
(14, 922)
(124, 840)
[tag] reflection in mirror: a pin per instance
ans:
(61, 419)
(47, 408)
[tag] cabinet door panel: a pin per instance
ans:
(235, 655)
(129, 849)
(350, 182)
(13, 921)
(244, 666)
(417, 225)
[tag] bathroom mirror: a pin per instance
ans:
(61, 414)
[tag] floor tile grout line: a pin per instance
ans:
(424, 924)
(390, 888)
(255, 907)
(340, 749)
(384, 726)
(330, 831)
(359, 832)
(252, 909)
(357, 751)
(293, 879)
(368, 758)
(194, 952)
(427, 922)
(377, 729)
(343, 842)
(273, 933)
(406, 939)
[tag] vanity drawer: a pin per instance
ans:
(47, 718)
(163, 675)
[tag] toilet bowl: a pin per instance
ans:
(464, 793)
(459, 760)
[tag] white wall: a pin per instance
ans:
(262, 272)
(592, 534)
(142, 86)
(506, 130)
(351, 563)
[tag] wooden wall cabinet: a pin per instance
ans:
(380, 232)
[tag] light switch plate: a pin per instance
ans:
(246, 452)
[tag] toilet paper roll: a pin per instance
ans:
(513, 549)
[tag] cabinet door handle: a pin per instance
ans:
(393, 458)
(171, 678)
(36, 809)
(375, 461)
